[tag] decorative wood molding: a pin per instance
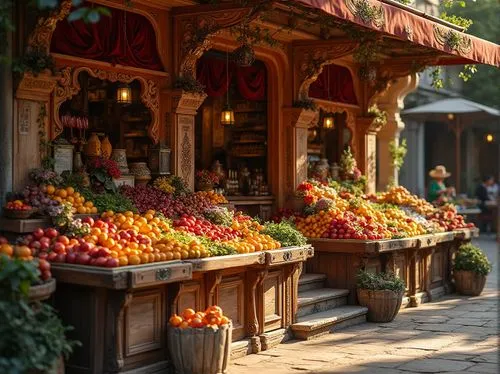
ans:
(196, 32)
(184, 102)
(117, 302)
(310, 60)
(453, 40)
(37, 87)
(369, 14)
(303, 118)
(213, 280)
(68, 86)
(42, 34)
(255, 279)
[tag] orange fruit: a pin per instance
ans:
(6, 249)
(123, 261)
(184, 325)
(188, 314)
(62, 194)
(81, 210)
(224, 320)
(88, 204)
(51, 189)
(168, 256)
(175, 320)
(134, 260)
(22, 251)
(144, 258)
(70, 191)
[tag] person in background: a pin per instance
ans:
(493, 190)
(485, 218)
(437, 189)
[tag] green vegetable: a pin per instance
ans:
(109, 201)
(285, 233)
(471, 258)
(381, 281)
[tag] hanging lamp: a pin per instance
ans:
(227, 114)
(124, 92)
(328, 120)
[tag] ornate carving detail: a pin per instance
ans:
(313, 61)
(186, 157)
(255, 279)
(42, 34)
(367, 13)
(213, 280)
(68, 86)
(408, 31)
(452, 40)
(197, 33)
(117, 303)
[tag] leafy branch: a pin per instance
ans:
(398, 153)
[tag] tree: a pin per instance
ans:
(484, 87)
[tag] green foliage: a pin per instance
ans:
(108, 201)
(218, 249)
(285, 233)
(219, 215)
(437, 81)
(381, 281)
(33, 338)
(398, 153)
(456, 20)
(379, 116)
(468, 72)
(471, 258)
(405, 2)
(189, 84)
(34, 61)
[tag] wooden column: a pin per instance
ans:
(298, 121)
(366, 155)
(458, 129)
(185, 106)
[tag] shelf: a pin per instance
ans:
(249, 129)
(240, 155)
(249, 141)
(137, 134)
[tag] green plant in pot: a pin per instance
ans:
(33, 338)
(381, 293)
(470, 270)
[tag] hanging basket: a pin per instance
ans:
(383, 305)
(469, 283)
(200, 350)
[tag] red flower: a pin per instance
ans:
(308, 199)
(305, 186)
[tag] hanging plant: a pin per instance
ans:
(307, 104)
(379, 116)
(244, 55)
(190, 85)
(35, 61)
(44, 145)
(398, 153)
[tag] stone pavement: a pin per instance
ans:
(455, 334)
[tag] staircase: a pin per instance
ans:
(322, 310)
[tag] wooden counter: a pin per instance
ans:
(120, 315)
(258, 291)
(424, 262)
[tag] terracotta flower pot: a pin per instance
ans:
(200, 350)
(469, 283)
(383, 305)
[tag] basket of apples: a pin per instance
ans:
(200, 342)
(45, 285)
(18, 210)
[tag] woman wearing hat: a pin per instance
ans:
(437, 189)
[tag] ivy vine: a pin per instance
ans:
(379, 116)
(189, 84)
(398, 153)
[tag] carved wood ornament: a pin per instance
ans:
(68, 86)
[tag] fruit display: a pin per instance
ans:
(23, 251)
(212, 196)
(212, 317)
(69, 195)
(254, 242)
(398, 195)
(447, 217)
(203, 227)
(38, 198)
(17, 205)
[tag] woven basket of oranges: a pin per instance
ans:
(200, 342)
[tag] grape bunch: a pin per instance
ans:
(37, 198)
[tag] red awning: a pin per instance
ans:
(408, 24)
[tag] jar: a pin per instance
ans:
(219, 170)
(106, 148)
(93, 147)
(322, 169)
(77, 161)
(141, 172)
(119, 155)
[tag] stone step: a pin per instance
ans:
(319, 300)
(317, 324)
(311, 282)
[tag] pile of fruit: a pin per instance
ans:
(212, 317)
(400, 196)
(17, 205)
(446, 216)
(69, 195)
(22, 251)
(212, 196)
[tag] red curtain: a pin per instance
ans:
(341, 85)
(251, 81)
(107, 40)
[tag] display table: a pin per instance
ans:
(119, 315)
(258, 291)
(424, 262)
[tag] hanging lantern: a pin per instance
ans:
(490, 138)
(227, 116)
(124, 94)
(328, 122)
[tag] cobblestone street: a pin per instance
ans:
(455, 334)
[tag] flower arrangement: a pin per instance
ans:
(102, 172)
(172, 185)
(206, 178)
(41, 176)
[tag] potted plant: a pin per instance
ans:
(33, 337)
(381, 293)
(206, 179)
(470, 269)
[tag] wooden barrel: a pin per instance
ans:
(383, 305)
(469, 283)
(200, 350)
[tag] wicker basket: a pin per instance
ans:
(383, 305)
(18, 214)
(469, 283)
(42, 291)
(200, 350)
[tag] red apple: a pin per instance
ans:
(38, 233)
(46, 275)
(35, 244)
(43, 255)
(71, 258)
(101, 261)
(44, 242)
(61, 257)
(82, 258)
(43, 265)
(103, 252)
(3, 240)
(59, 247)
(51, 233)
(92, 261)
(88, 220)
(51, 256)
(63, 239)
(112, 263)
